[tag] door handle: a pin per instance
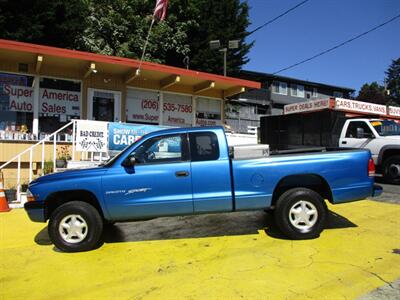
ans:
(344, 142)
(181, 173)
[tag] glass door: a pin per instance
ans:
(104, 105)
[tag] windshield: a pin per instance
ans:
(386, 127)
(111, 161)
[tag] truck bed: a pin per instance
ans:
(343, 170)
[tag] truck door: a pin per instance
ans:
(159, 183)
(211, 177)
(359, 134)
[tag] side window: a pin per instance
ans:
(356, 126)
(160, 149)
(204, 146)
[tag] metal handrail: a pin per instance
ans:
(30, 150)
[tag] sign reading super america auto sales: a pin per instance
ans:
(50, 101)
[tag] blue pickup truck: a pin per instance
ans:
(191, 171)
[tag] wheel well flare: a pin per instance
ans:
(56, 199)
(309, 181)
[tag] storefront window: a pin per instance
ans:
(177, 110)
(142, 107)
(59, 102)
(208, 112)
(16, 106)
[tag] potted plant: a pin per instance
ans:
(62, 156)
(48, 167)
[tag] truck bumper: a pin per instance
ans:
(35, 211)
(377, 190)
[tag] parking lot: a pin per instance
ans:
(218, 256)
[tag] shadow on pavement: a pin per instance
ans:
(214, 225)
(42, 237)
(218, 225)
(335, 221)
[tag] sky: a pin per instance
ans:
(321, 24)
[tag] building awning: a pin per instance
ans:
(44, 59)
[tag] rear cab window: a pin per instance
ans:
(204, 146)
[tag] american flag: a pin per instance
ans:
(160, 11)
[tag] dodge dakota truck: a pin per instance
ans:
(192, 171)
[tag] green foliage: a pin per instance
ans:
(376, 93)
(49, 22)
(48, 167)
(120, 27)
(373, 93)
(393, 81)
(219, 20)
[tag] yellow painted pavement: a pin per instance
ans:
(342, 263)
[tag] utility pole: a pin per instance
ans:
(224, 51)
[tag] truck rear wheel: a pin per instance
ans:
(75, 226)
(391, 169)
(300, 213)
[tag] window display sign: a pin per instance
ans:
(50, 101)
(208, 112)
(123, 135)
(142, 106)
(20, 98)
(91, 136)
(177, 110)
(55, 102)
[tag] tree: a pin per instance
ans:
(373, 93)
(393, 80)
(120, 27)
(48, 22)
(222, 20)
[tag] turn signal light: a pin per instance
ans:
(371, 168)
(29, 196)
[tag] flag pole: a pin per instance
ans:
(144, 48)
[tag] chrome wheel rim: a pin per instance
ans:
(303, 215)
(73, 229)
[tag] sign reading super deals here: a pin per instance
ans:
(91, 136)
(123, 135)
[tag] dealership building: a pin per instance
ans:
(44, 88)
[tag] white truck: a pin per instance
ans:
(381, 137)
(331, 128)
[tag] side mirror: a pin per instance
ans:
(360, 133)
(129, 162)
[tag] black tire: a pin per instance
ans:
(294, 200)
(86, 221)
(390, 169)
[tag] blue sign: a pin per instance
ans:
(123, 135)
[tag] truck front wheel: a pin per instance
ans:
(75, 226)
(300, 213)
(391, 169)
